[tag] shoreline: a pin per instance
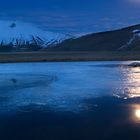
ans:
(15, 57)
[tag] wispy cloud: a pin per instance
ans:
(134, 1)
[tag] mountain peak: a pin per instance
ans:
(10, 32)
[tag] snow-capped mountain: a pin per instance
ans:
(18, 33)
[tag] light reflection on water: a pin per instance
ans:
(130, 87)
(134, 82)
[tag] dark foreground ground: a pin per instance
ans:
(113, 119)
(67, 56)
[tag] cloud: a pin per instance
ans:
(135, 2)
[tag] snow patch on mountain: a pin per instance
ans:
(136, 34)
(11, 32)
(136, 31)
(128, 43)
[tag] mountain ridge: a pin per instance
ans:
(19, 36)
(123, 39)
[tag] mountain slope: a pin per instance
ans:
(19, 33)
(117, 40)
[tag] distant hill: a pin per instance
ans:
(124, 39)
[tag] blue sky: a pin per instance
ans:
(73, 16)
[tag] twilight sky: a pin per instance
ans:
(73, 16)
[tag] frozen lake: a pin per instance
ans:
(65, 86)
(69, 100)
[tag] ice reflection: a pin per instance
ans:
(131, 83)
(134, 78)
